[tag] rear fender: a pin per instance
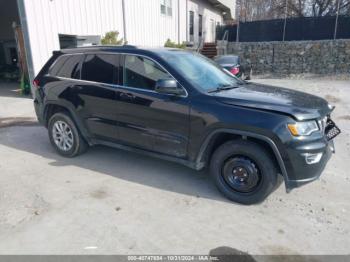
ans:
(80, 125)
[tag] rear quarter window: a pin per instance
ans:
(67, 66)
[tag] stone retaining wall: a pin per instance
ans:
(296, 57)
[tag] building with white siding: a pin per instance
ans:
(48, 25)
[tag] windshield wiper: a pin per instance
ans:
(222, 88)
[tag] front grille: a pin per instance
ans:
(331, 130)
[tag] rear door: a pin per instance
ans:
(147, 119)
(95, 94)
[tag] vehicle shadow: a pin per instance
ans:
(117, 163)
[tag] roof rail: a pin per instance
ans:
(130, 46)
(107, 46)
(92, 47)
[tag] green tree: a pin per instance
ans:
(111, 38)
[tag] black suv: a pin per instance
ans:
(181, 106)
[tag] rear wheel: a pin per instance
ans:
(65, 137)
(243, 171)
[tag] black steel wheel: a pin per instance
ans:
(241, 174)
(244, 171)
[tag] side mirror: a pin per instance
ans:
(169, 87)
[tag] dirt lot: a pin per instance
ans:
(113, 202)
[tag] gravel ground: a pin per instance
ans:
(109, 201)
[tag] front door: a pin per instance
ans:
(147, 119)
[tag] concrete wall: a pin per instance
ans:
(295, 57)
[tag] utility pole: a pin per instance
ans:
(336, 21)
(178, 22)
(285, 20)
(187, 24)
(124, 22)
(238, 19)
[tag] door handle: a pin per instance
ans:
(127, 96)
(76, 87)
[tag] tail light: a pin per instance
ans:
(36, 83)
(234, 70)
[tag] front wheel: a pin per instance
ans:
(243, 171)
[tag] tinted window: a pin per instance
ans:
(67, 66)
(141, 72)
(100, 68)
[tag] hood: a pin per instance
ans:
(301, 106)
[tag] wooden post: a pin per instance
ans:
(22, 61)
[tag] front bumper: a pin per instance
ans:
(299, 171)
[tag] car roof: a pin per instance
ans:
(121, 49)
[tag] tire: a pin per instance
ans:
(76, 145)
(250, 186)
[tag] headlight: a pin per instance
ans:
(303, 128)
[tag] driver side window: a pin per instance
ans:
(141, 72)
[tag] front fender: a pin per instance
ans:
(200, 159)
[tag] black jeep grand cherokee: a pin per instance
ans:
(182, 107)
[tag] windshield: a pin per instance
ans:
(202, 72)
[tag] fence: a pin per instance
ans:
(303, 28)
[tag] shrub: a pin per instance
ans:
(111, 38)
(171, 44)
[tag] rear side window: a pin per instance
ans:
(67, 66)
(100, 68)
